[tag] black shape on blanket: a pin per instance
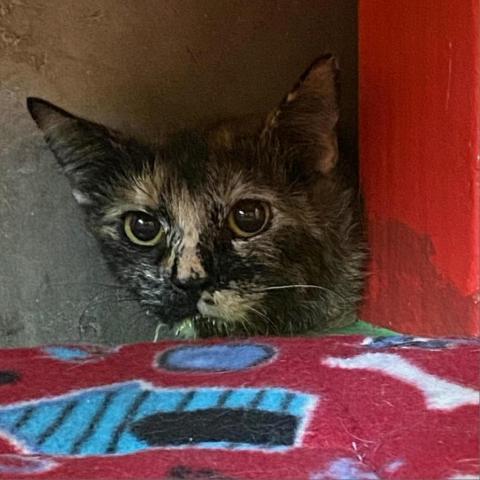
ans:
(7, 377)
(238, 426)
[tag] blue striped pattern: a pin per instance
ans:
(96, 421)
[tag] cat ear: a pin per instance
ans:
(83, 149)
(305, 122)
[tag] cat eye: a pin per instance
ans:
(248, 218)
(143, 229)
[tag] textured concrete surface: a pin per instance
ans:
(143, 67)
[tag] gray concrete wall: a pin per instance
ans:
(141, 66)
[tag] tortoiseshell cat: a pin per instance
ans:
(234, 230)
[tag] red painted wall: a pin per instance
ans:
(420, 163)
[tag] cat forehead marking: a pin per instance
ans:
(190, 218)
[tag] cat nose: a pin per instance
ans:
(189, 272)
(191, 283)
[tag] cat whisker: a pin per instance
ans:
(268, 320)
(158, 328)
(97, 284)
(131, 324)
(299, 286)
(157, 332)
(222, 325)
(283, 287)
(245, 326)
(95, 302)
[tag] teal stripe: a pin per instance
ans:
(241, 398)
(9, 417)
(114, 415)
(204, 399)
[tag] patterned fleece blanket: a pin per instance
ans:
(335, 407)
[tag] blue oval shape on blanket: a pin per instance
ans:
(67, 353)
(216, 358)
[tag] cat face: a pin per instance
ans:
(240, 230)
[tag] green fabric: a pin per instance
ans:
(361, 328)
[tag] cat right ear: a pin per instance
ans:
(305, 122)
(83, 149)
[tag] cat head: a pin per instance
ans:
(245, 230)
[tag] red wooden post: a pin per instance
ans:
(420, 163)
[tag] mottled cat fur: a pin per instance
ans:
(304, 272)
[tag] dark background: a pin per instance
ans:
(144, 67)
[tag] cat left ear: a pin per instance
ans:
(83, 149)
(305, 122)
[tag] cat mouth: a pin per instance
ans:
(204, 317)
(190, 327)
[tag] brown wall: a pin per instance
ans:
(141, 66)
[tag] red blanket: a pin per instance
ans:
(327, 408)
